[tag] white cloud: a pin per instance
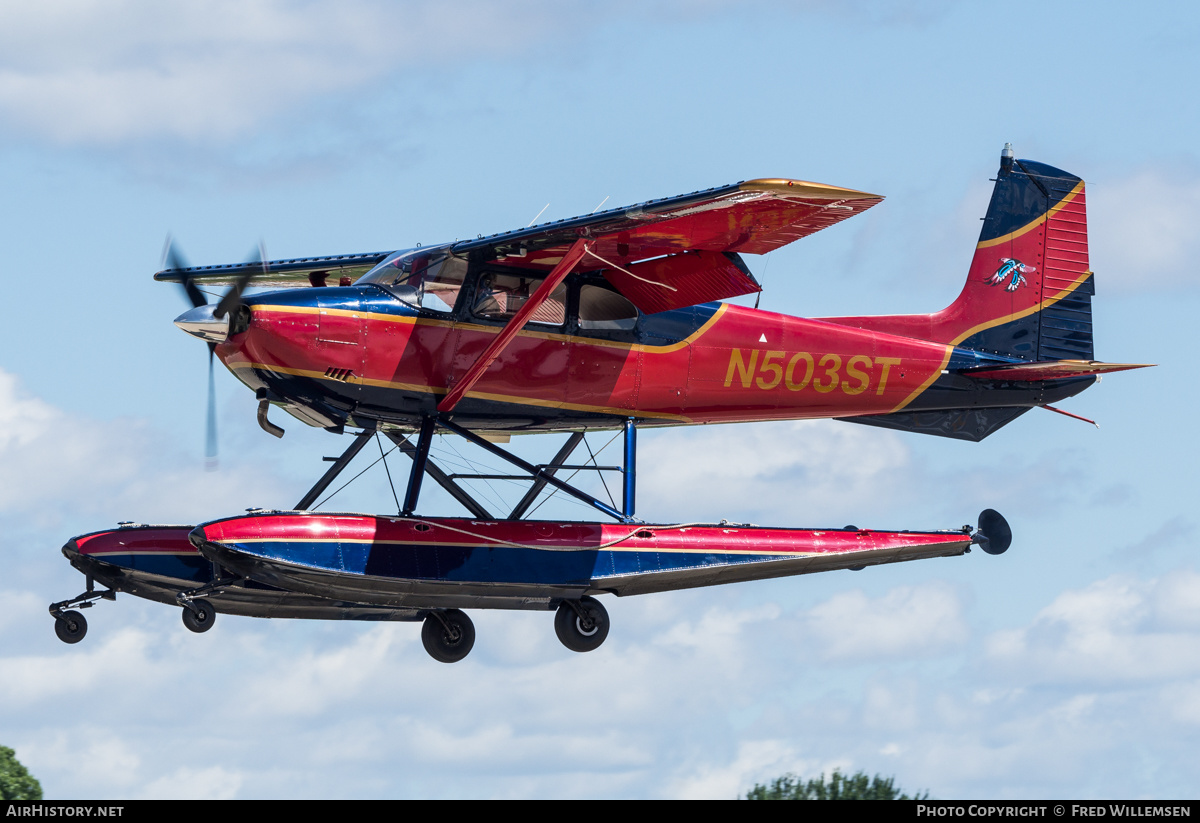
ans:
(101, 763)
(718, 631)
(89, 72)
(317, 681)
(819, 471)
(1141, 230)
(906, 622)
(189, 783)
(117, 662)
(55, 466)
(1117, 630)
(15, 607)
(1176, 601)
(691, 696)
(86, 72)
(753, 760)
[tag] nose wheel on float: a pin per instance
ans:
(70, 626)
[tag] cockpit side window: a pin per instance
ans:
(440, 283)
(500, 297)
(429, 280)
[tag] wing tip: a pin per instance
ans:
(806, 190)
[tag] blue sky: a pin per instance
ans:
(1069, 667)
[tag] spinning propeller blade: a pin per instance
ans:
(172, 258)
(229, 303)
(210, 439)
(232, 299)
(200, 324)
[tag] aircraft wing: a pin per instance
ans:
(679, 251)
(661, 254)
(297, 271)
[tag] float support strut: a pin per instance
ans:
(539, 483)
(629, 473)
(355, 447)
(541, 473)
(420, 458)
(433, 470)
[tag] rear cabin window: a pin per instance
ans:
(601, 308)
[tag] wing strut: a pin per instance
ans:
(506, 335)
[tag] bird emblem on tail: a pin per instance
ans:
(1011, 270)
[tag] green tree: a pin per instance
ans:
(839, 787)
(16, 783)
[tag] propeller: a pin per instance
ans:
(231, 301)
(228, 305)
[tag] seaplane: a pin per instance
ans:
(612, 321)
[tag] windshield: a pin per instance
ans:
(429, 279)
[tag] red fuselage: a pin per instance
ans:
(738, 364)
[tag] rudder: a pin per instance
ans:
(1029, 289)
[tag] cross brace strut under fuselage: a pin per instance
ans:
(542, 474)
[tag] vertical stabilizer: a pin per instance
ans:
(1029, 290)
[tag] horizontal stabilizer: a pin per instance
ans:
(1049, 370)
(959, 424)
